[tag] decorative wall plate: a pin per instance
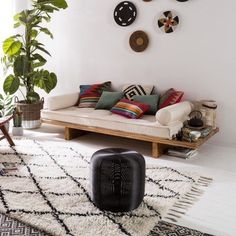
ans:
(182, 0)
(125, 13)
(139, 41)
(168, 21)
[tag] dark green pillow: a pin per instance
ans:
(151, 100)
(108, 100)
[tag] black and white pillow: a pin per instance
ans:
(135, 89)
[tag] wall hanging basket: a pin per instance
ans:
(31, 117)
(168, 21)
(139, 41)
(125, 13)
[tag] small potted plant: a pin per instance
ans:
(17, 129)
(25, 55)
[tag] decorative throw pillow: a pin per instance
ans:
(130, 109)
(90, 94)
(133, 89)
(170, 97)
(108, 100)
(151, 100)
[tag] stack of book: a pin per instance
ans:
(6, 167)
(204, 132)
(182, 152)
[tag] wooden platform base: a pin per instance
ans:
(159, 145)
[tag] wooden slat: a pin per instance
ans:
(71, 133)
(158, 144)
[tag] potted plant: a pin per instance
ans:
(25, 55)
(17, 129)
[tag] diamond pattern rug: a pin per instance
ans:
(50, 191)
(10, 227)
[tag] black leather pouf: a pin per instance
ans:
(117, 179)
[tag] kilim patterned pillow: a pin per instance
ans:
(170, 97)
(90, 94)
(134, 89)
(130, 109)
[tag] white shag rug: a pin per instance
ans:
(50, 191)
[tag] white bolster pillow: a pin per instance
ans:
(62, 101)
(172, 113)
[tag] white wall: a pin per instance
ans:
(7, 11)
(199, 58)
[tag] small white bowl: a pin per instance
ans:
(194, 135)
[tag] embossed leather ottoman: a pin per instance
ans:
(117, 179)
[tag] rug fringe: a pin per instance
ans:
(188, 199)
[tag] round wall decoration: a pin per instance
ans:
(139, 41)
(125, 13)
(168, 21)
(182, 0)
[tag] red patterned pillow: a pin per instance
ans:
(130, 109)
(90, 94)
(170, 97)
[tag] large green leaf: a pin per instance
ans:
(46, 31)
(53, 81)
(56, 3)
(35, 43)
(43, 50)
(32, 96)
(34, 33)
(11, 84)
(11, 47)
(48, 8)
(38, 60)
(17, 16)
(38, 57)
(23, 17)
(60, 3)
(16, 25)
(20, 65)
(46, 81)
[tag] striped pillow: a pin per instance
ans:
(89, 100)
(90, 94)
(130, 109)
(136, 89)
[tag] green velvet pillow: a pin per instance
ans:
(151, 100)
(108, 100)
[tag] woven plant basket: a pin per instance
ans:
(31, 113)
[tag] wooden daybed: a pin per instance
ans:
(157, 129)
(159, 145)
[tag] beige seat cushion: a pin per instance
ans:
(147, 125)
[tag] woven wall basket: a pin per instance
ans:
(31, 113)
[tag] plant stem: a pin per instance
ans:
(28, 55)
